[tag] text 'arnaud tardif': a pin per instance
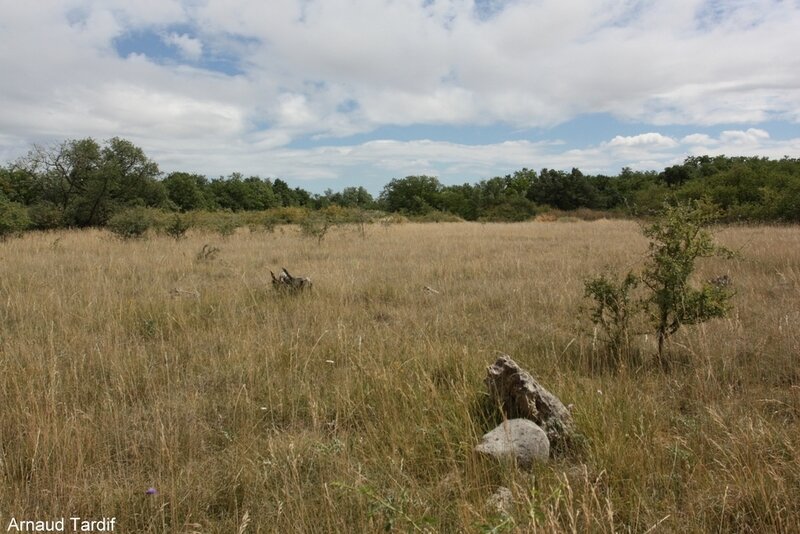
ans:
(64, 524)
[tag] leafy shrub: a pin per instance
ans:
(289, 215)
(227, 226)
(45, 216)
(131, 223)
(13, 218)
(177, 227)
(678, 238)
(316, 226)
(613, 311)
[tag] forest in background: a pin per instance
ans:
(83, 183)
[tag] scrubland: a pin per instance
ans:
(128, 365)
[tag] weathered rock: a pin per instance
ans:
(521, 439)
(520, 395)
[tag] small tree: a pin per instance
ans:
(677, 240)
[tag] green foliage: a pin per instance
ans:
(13, 218)
(316, 226)
(514, 210)
(437, 217)
(131, 223)
(226, 226)
(82, 183)
(290, 197)
(187, 191)
(677, 240)
(177, 227)
(19, 185)
(45, 216)
(565, 191)
(243, 194)
(88, 182)
(613, 311)
(349, 197)
(413, 195)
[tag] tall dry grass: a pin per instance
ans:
(130, 365)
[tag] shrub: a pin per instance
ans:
(130, 223)
(614, 308)
(437, 217)
(678, 238)
(316, 226)
(226, 226)
(177, 227)
(289, 215)
(13, 218)
(45, 216)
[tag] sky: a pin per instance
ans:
(336, 93)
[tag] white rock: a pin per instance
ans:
(520, 439)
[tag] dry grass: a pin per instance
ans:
(129, 365)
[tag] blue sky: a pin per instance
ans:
(334, 93)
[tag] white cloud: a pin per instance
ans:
(698, 139)
(753, 136)
(189, 47)
(333, 68)
(650, 140)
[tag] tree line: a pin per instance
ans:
(82, 183)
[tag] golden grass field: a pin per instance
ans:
(126, 365)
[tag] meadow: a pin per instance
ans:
(127, 365)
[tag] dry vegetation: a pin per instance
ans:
(126, 365)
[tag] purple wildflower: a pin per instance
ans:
(151, 491)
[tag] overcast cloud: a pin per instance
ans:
(307, 89)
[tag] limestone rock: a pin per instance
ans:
(521, 439)
(521, 396)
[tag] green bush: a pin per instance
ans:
(316, 226)
(45, 216)
(613, 310)
(226, 226)
(678, 238)
(131, 223)
(13, 218)
(177, 227)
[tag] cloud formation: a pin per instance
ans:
(208, 85)
(189, 47)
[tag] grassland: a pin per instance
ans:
(126, 365)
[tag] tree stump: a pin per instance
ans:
(286, 282)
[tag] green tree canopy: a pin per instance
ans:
(87, 182)
(415, 195)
